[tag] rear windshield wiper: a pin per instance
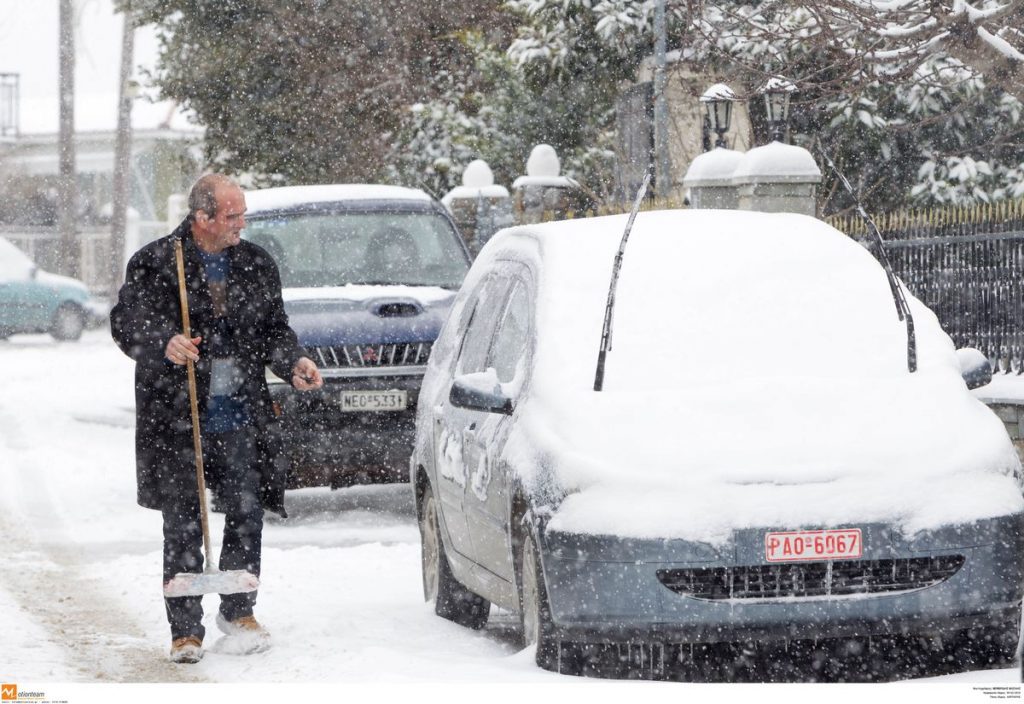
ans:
(606, 331)
(902, 307)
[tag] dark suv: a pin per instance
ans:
(368, 274)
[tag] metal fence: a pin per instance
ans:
(967, 265)
(42, 244)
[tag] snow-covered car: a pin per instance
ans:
(760, 467)
(34, 301)
(368, 273)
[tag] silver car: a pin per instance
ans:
(760, 472)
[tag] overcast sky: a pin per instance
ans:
(29, 31)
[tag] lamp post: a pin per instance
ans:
(663, 173)
(718, 100)
(776, 101)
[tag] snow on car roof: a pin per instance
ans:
(292, 196)
(757, 377)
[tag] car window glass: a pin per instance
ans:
(510, 339)
(477, 339)
(15, 265)
(341, 248)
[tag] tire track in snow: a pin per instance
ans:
(101, 643)
(44, 573)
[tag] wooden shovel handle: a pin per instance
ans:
(197, 440)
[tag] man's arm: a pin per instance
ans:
(287, 359)
(145, 317)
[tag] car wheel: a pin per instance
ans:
(451, 600)
(536, 613)
(68, 323)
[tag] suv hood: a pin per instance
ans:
(357, 315)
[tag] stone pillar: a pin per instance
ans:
(543, 193)
(478, 207)
(777, 178)
(709, 179)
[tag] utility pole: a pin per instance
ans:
(662, 159)
(122, 155)
(67, 196)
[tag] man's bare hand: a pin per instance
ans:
(305, 375)
(180, 348)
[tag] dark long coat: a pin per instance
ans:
(148, 314)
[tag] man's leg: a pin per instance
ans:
(243, 515)
(183, 542)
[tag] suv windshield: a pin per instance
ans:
(335, 249)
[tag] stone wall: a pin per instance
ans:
(1012, 415)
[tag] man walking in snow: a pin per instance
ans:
(239, 327)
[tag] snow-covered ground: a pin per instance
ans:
(80, 596)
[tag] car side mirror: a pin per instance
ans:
(480, 391)
(974, 367)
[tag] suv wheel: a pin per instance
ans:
(451, 600)
(68, 323)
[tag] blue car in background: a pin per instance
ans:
(36, 301)
(368, 274)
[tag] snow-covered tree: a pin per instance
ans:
(308, 91)
(919, 100)
(498, 112)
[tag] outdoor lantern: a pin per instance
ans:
(718, 100)
(776, 101)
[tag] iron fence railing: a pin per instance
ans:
(967, 265)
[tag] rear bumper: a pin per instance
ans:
(597, 595)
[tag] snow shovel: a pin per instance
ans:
(211, 580)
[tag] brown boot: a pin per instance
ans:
(252, 636)
(187, 650)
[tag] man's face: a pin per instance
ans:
(225, 228)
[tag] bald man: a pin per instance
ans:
(239, 327)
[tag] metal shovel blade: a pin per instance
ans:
(216, 582)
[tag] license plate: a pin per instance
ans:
(362, 401)
(795, 546)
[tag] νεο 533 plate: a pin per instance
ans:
(363, 401)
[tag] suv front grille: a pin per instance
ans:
(809, 579)
(400, 354)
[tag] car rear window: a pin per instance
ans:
(337, 249)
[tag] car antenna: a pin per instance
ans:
(902, 307)
(606, 331)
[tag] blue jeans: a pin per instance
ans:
(231, 465)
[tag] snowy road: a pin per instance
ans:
(80, 587)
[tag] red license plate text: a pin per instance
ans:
(795, 546)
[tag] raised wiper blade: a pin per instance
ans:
(606, 332)
(898, 297)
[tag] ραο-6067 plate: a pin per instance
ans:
(802, 545)
(364, 401)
